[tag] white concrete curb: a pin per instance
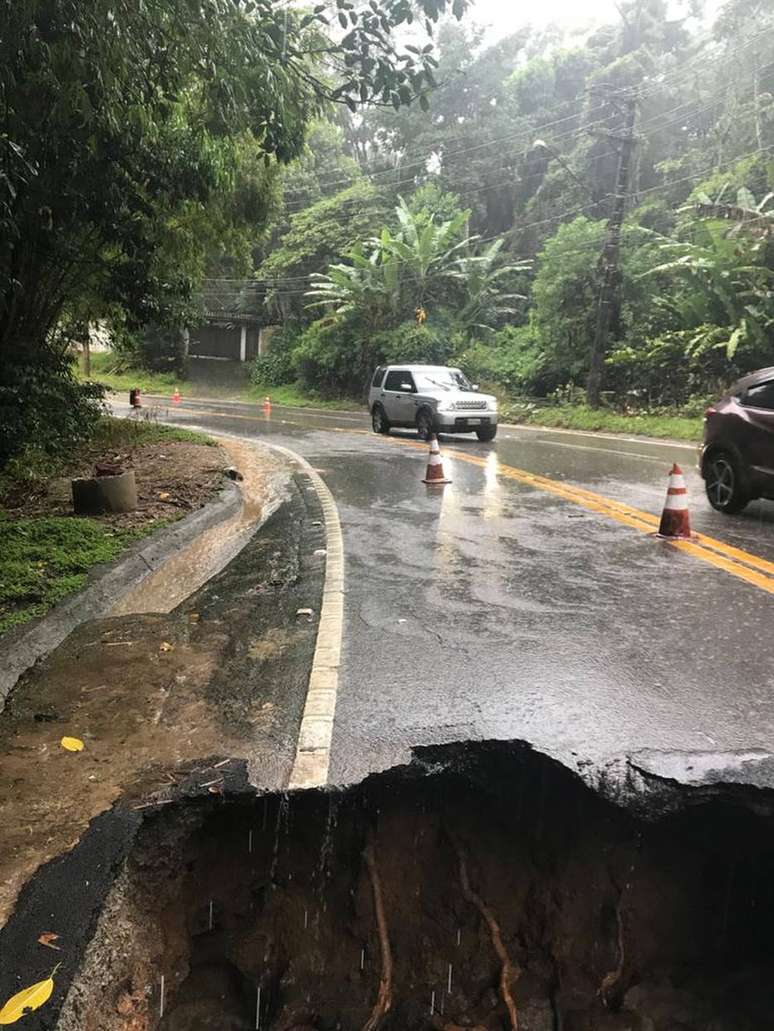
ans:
(313, 751)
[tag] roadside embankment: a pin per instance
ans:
(663, 426)
(153, 695)
(60, 570)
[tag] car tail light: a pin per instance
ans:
(710, 411)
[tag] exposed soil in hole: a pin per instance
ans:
(493, 892)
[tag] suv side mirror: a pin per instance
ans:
(407, 387)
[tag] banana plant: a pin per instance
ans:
(485, 283)
(394, 272)
(747, 215)
(724, 282)
(367, 285)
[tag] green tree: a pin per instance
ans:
(723, 288)
(317, 236)
(565, 295)
(393, 274)
(121, 120)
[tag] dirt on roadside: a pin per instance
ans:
(153, 693)
(173, 478)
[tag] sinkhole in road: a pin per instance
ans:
(483, 887)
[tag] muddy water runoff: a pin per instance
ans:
(482, 887)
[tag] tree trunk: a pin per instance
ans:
(756, 102)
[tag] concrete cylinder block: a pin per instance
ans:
(100, 494)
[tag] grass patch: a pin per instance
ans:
(293, 396)
(44, 560)
(580, 417)
(118, 433)
(103, 370)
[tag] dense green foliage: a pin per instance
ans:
(458, 214)
(377, 301)
(42, 404)
(141, 140)
(522, 149)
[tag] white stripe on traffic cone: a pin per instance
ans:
(675, 520)
(434, 472)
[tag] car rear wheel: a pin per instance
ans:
(425, 427)
(487, 433)
(379, 420)
(723, 483)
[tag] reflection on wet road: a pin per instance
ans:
(500, 607)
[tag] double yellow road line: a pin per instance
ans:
(739, 563)
(742, 564)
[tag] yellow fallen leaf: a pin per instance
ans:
(164, 495)
(28, 999)
(165, 646)
(72, 744)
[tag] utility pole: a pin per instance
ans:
(609, 261)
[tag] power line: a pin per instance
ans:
(665, 82)
(278, 284)
(685, 73)
(427, 154)
(701, 106)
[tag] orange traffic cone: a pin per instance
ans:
(267, 405)
(176, 398)
(675, 521)
(434, 472)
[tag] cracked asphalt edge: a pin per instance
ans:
(313, 751)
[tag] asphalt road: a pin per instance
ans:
(506, 607)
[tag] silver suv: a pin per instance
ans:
(433, 398)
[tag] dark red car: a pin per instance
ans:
(737, 459)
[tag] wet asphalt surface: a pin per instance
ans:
(492, 610)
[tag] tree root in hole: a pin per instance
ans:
(509, 972)
(384, 996)
(610, 989)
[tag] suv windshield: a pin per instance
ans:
(445, 379)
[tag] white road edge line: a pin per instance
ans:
(313, 750)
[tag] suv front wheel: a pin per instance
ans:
(723, 483)
(487, 433)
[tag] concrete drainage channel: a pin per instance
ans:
(484, 887)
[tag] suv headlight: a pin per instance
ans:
(447, 406)
(492, 405)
